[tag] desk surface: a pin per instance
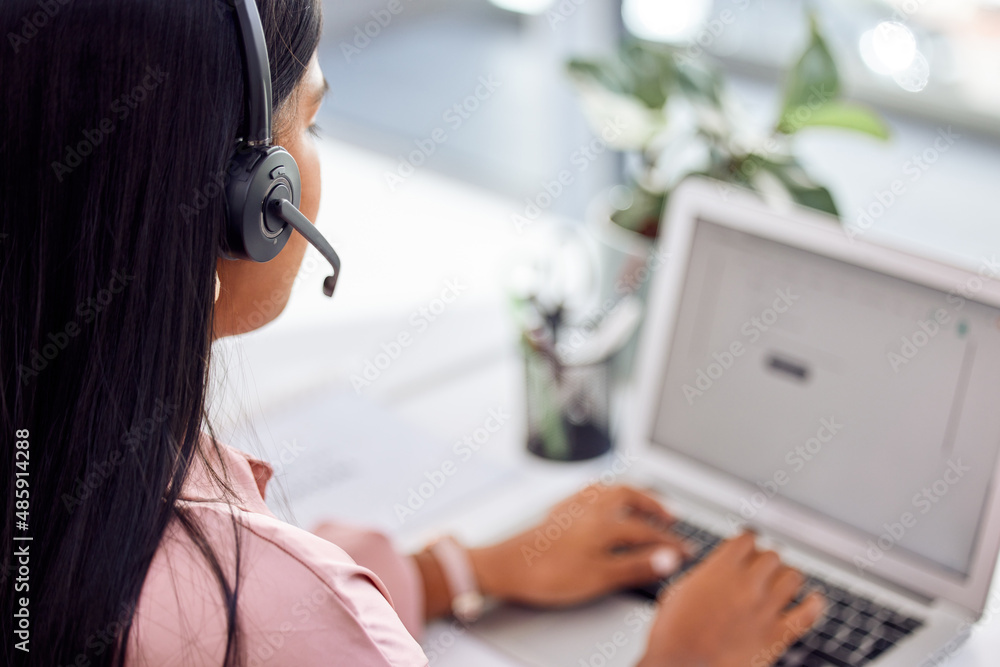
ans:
(981, 649)
(443, 411)
(457, 368)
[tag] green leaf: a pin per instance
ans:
(653, 70)
(813, 81)
(818, 198)
(698, 82)
(644, 214)
(837, 114)
(641, 70)
(608, 74)
(800, 185)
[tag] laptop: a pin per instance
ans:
(837, 396)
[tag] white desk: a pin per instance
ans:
(981, 650)
(451, 408)
(443, 384)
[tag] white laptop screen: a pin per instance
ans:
(860, 396)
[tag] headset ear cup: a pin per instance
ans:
(257, 176)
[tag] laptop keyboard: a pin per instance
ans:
(854, 631)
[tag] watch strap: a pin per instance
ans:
(466, 600)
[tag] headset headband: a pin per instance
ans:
(257, 74)
(262, 195)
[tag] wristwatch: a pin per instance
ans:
(466, 601)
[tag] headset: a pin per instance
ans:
(263, 191)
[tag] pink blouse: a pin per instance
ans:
(304, 599)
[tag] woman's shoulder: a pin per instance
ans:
(299, 596)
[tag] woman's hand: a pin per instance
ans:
(600, 540)
(731, 610)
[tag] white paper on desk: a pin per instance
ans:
(343, 457)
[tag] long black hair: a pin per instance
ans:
(117, 122)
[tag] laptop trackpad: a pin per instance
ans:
(611, 632)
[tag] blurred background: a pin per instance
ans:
(494, 170)
(458, 147)
(392, 84)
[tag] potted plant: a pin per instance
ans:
(680, 120)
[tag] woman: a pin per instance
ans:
(150, 543)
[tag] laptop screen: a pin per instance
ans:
(867, 399)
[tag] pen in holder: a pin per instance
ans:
(568, 407)
(568, 394)
(569, 341)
